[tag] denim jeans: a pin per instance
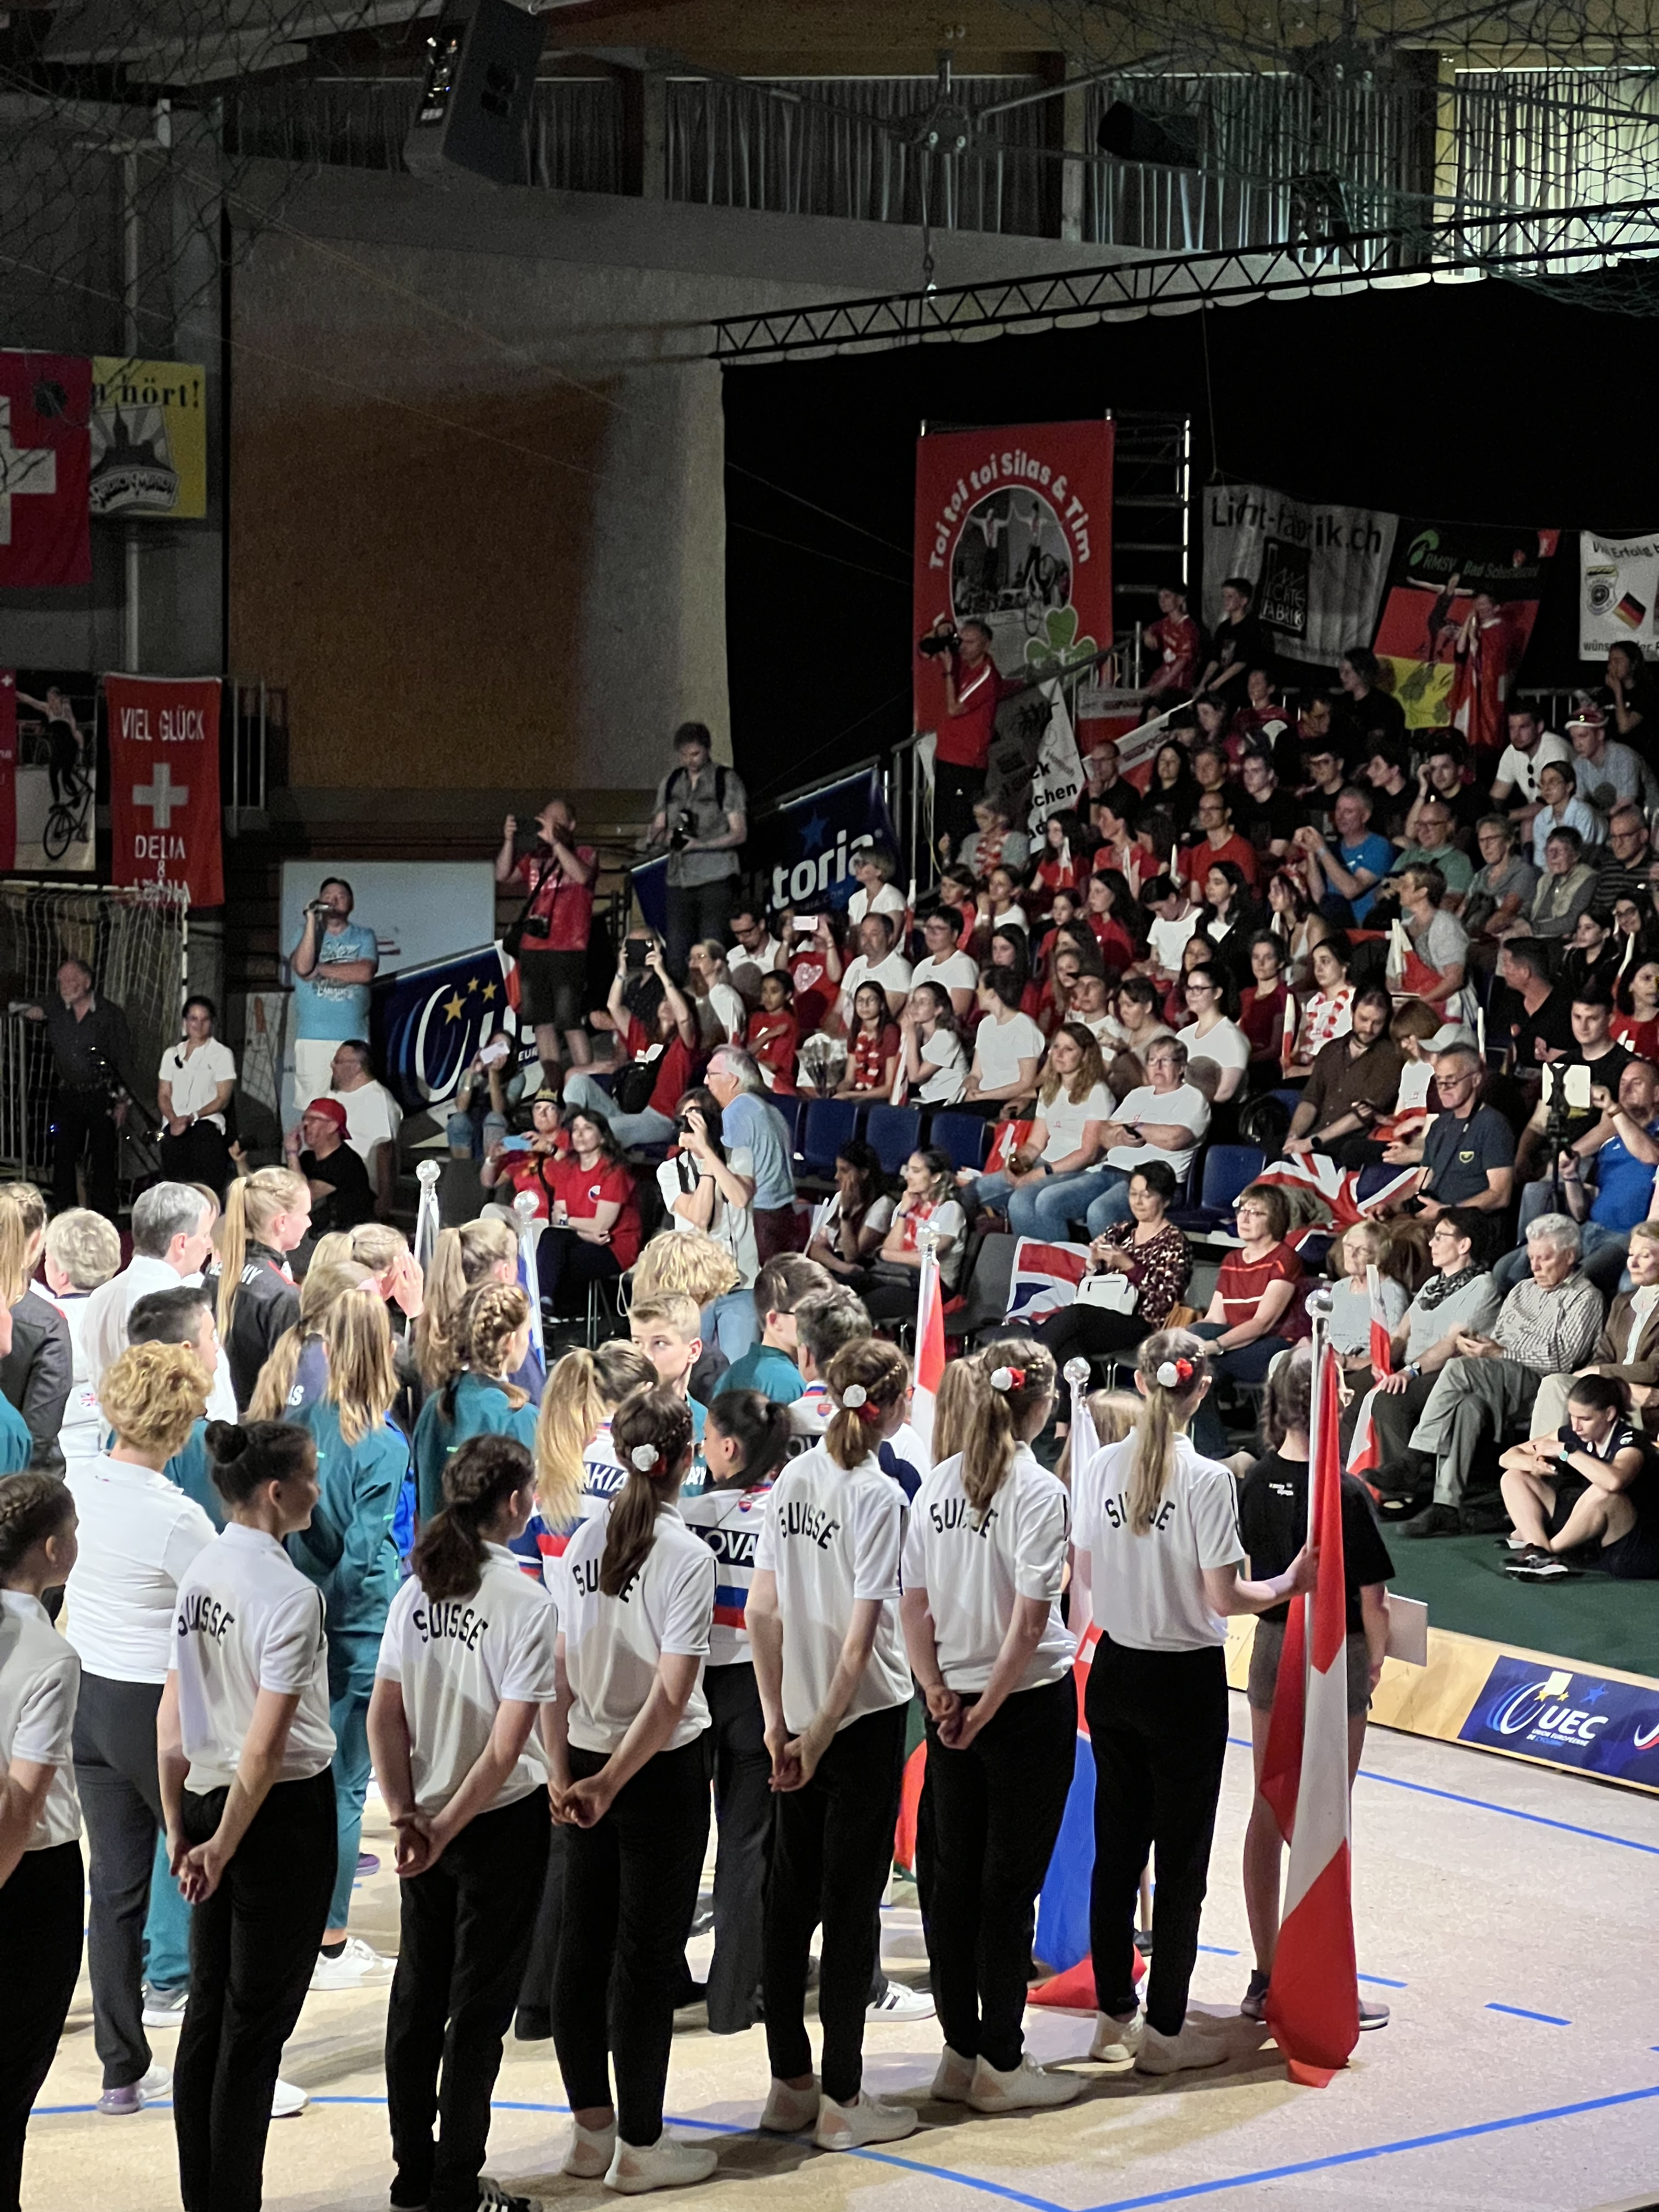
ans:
(646, 1127)
(468, 1134)
(1112, 1203)
(1046, 1208)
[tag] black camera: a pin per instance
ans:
(685, 824)
(536, 925)
(939, 641)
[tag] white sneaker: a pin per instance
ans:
(590, 2152)
(355, 1968)
(849, 2127)
(1117, 2042)
(166, 2007)
(287, 2098)
(897, 2003)
(790, 2111)
(665, 2165)
(955, 2079)
(1196, 2046)
(1024, 2088)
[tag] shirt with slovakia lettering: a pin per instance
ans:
(832, 1538)
(729, 1519)
(973, 1565)
(456, 1660)
(612, 1644)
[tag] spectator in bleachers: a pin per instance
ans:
(1593, 954)
(812, 946)
(756, 954)
(373, 1118)
(1256, 1312)
(1328, 1011)
(1628, 1347)
(1618, 1155)
(1625, 873)
(1295, 922)
(1442, 757)
(1114, 920)
(1228, 918)
(946, 964)
(1177, 641)
(528, 1165)
(1342, 879)
(1008, 1047)
(1530, 1015)
(341, 1193)
(1089, 1002)
(194, 1085)
(1171, 785)
(995, 842)
(1136, 1023)
(1594, 1048)
(997, 905)
(1061, 861)
(1433, 848)
(875, 867)
(1196, 952)
(332, 966)
(928, 1198)
(1561, 808)
(1166, 1120)
(1396, 1250)
(1635, 1025)
(1548, 1325)
(878, 960)
(1531, 749)
(1566, 888)
(1212, 1035)
(1009, 952)
(1326, 766)
(1121, 847)
(1591, 1490)
(658, 1043)
(594, 1233)
(1039, 1192)
(935, 1065)
(1261, 1005)
(554, 925)
(1218, 840)
(1439, 941)
(701, 817)
(956, 888)
(1263, 813)
(1365, 711)
(1469, 1150)
(1150, 1252)
(772, 1034)
(1459, 1298)
(734, 1081)
(1388, 787)
(872, 1047)
(475, 1124)
(708, 1183)
(1354, 1082)
(720, 1012)
(860, 1216)
(1501, 890)
(1174, 917)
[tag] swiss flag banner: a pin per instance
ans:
(45, 462)
(8, 768)
(165, 825)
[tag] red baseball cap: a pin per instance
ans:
(331, 1111)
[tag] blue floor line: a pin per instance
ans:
(1520, 2012)
(1384, 1982)
(1218, 1950)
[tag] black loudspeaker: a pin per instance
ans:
(1167, 141)
(475, 100)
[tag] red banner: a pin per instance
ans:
(8, 768)
(45, 462)
(165, 823)
(1461, 603)
(1014, 528)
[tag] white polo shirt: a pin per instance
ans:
(831, 1538)
(138, 1535)
(246, 1620)
(955, 972)
(372, 1117)
(973, 1567)
(612, 1644)
(892, 973)
(39, 1688)
(456, 1660)
(194, 1077)
(1148, 1591)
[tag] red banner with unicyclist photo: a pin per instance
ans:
(165, 822)
(1013, 529)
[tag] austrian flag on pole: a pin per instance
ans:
(165, 823)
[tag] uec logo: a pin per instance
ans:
(1536, 1706)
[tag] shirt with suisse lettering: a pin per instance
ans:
(612, 1644)
(973, 1565)
(456, 1660)
(1148, 1590)
(246, 1620)
(40, 1689)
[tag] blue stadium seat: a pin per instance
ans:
(1227, 1169)
(830, 1123)
(895, 1131)
(793, 1110)
(1289, 1097)
(965, 1136)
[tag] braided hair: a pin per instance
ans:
(33, 1508)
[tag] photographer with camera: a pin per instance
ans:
(549, 937)
(701, 817)
(657, 1033)
(332, 966)
(92, 1056)
(961, 750)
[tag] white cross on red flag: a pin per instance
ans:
(46, 461)
(165, 822)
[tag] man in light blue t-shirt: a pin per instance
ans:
(332, 966)
(1342, 879)
(747, 1119)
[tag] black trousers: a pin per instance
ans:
(630, 1892)
(121, 1803)
(465, 1931)
(252, 1946)
(200, 1155)
(1090, 1330)
(533, 2022)
(40, 1959)
(831, 1857)
(997, 1809)
(744, 1810)
(1158, 1725)
(955, 790)
(562, 1259)
(697, 911)
(81, 1123)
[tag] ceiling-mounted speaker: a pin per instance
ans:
(1166, 142)
(475, 99)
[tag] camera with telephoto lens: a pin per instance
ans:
(939, 641)
(686, 824)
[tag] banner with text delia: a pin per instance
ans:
(165, 822)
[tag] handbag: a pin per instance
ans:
(1110, 1290)
(634, 1085)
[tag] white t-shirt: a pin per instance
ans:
(40, 1688)
(138, 1535)
(1226, 1044)
(732, 1226)
(729, 1520)
(1167, 939)
(372, 1117)
(893, 974)
(956, 972)
(457, 1660)
(973, 1569)
(888, 899)
(831, 1538)
(747, 969)
(612, 1644)
(195, 1077)
(1148, 1591)
(246, 1620)
(1185, 1105)
(81, 1428)
(1521, 770)
(721, 1017)
(1065, 1122)
(1415, 1077)
(999, 1047)
(943, 1053)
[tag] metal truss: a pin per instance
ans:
(1534, 243)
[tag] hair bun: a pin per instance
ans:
(226, 1440)
(645, 1458)
(854, 1396)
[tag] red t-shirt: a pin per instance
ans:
(531, 1171)
(567, 907)
(808, 975)
(965, 740)
(771, 1040)
(1642, 1037)
(1176, 638)
(1197, 860)
(673, 1069)
(1117, 947)
(608, 1182)
(867, 1056)
(1261, 1017)
(1242, 1284)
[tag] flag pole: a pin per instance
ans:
(426, 1214)
(524, 1207)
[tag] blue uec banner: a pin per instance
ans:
(805, 850)
(426, 1024)
(1573, 1719)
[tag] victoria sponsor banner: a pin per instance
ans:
(1013, 527)
(805, 850)
(1570, 1717)
(1318, 568)
(165, 822)
(1618, 593)
(426, 1023)
(1458, 616)
(149, 438)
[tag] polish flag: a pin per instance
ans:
(930, 1346)
(1312, 2000)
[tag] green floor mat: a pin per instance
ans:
(1591, 1618)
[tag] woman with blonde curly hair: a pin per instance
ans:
(492, 1332)
(138, 1534)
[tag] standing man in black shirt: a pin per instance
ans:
(1237, 644)
(1364, 713)
(92, 1056)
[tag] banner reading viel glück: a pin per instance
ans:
(165, 823)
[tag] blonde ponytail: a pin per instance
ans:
(18, 1229)
(1010, 1379)
(582, 1392)
(323, 1284)
(252, 1204)
(464, 1257)
(867, 1378)
(1181, 1361)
